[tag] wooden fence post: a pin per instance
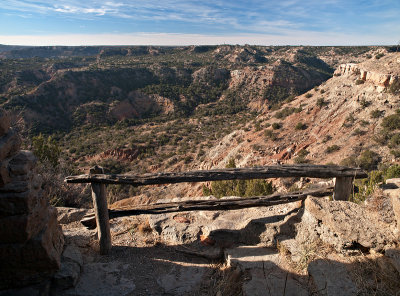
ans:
(101, 212)
(343, 188)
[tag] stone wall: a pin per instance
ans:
(31, 241)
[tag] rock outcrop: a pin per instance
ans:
(383, 77)
(31, 240)
(345, 225)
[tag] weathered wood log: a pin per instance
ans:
(313, 171)
(213, 205)
(343, 188)
(101, 213)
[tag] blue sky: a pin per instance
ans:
(176, 22)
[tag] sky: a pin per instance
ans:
(179, 22)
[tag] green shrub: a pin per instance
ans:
(367, 186)
(391, 122)
(276, 125)
(270, 135)
(364, 103)
(301, 159)
(285, 112)
(394, 141)
(326, 138)
(379, 55)
(245, 188)
(368, 160)
(331, 149)
(350, 161)
(46, 149)
(300, 126)
(376, 113)
(392, 172)
(358, 132)
(395, 153)
(303, 153)
(308, 95)
(321, 102)
(322, 91)
(394, 88)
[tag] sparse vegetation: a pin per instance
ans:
(331, 149)
(359, 81)
(376, 113)
(244, 188)
(308, 95)
(321, 102)
(300, 126)
(276, 125)
(270, 135)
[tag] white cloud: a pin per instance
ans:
(295, 38)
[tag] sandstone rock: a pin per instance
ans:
(71, 266)
(22, 163)
(9, 144)
(331, 278)
(267, 277)
(34, 260)
(20, 228)
(345, 225)
(18, 203)
(69, 215)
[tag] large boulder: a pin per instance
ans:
(345, 225)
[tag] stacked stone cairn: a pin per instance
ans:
(31, 241)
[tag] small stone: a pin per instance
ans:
(67, 276)
(72, 253)
(68, 215)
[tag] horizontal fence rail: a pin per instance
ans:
(343, 188)
(265, 172)
(211, 205)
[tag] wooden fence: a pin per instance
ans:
(342, 190)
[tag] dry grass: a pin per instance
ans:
(225, 281)
(374, 275)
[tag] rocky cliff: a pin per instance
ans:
(31, 240)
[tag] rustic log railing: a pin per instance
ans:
(343, 188)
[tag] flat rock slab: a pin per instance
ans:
(180, 281)
(266, 275)
(345, 225)
(68, 215)
(103, 279)
(226, 228)
(331, 278)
